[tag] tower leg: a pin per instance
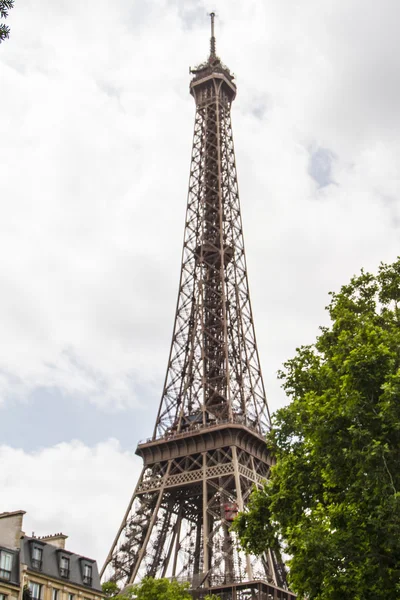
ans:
(240, 503)
(206, 530)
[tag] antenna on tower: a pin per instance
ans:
(212, 41)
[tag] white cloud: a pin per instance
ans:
(94, 161)
(72, 488)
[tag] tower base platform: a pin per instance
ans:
(248, 590)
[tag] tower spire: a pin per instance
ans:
(212, 40)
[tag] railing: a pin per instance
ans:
(37, 564)
(258, 587)
(5, 574)
(87, 580)
(64, 572)
(238, 420)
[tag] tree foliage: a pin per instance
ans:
(161, 589)
(334, 495)
(149, 589)
(110, 589)
(5, 6)
(26, 593)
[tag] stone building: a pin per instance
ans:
(43, 566)
(10, 542)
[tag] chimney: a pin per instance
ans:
(11, 529)
(57, 539)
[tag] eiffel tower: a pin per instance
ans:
(208, 446)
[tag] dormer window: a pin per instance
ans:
(6, 561)
(64, 566)
(37, 557)
(87, 574)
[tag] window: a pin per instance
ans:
(35, 590)
(3, 596)
(64, 566)
(87, 574)
(37, 554)
(54, 594)
(71, 596)
(6, 560)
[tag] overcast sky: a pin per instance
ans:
(96, 126)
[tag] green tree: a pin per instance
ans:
(110, 589)
(149, 589)
(5, 6)
(334, 495)
(26, 593)
(161, 589)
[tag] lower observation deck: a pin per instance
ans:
(249, 590)
(202, 438)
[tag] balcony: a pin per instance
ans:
(5, 574)
(64, 573)
(37, 564)
(87, 580)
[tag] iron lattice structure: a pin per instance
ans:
(208, 448)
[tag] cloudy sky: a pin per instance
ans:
(95, 138)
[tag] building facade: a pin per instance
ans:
(41, 568)
(10, 579)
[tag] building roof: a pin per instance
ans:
(51, 555)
